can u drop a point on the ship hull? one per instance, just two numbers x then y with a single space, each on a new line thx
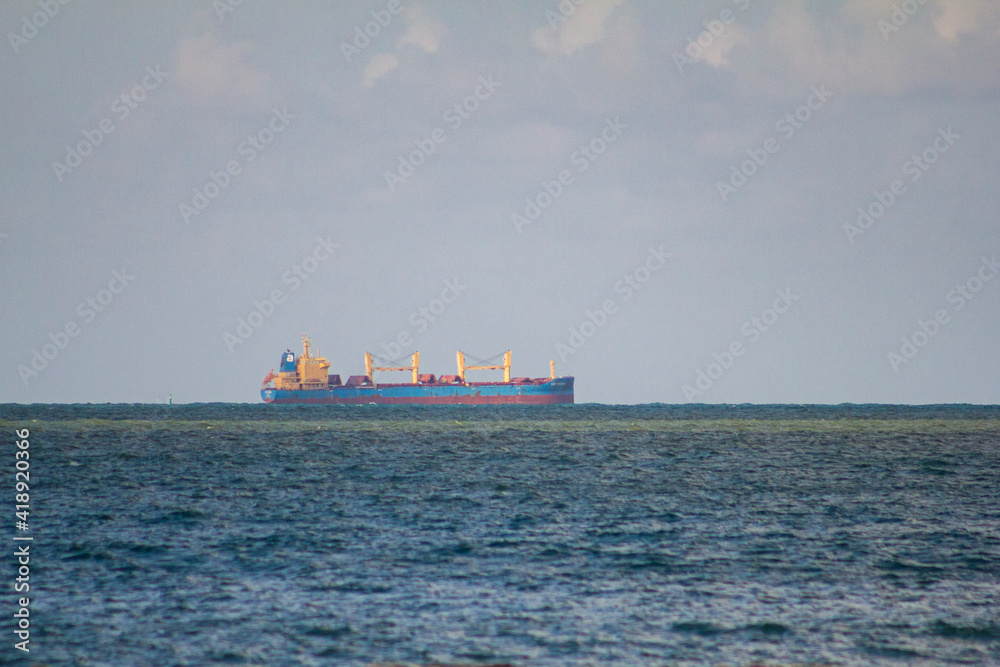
557 391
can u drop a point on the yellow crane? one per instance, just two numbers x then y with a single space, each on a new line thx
414 367
462 367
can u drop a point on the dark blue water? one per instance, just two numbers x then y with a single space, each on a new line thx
252 534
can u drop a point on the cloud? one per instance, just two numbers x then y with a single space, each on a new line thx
213 73
960 17
716 53
799 44
423 30
579 29
380 65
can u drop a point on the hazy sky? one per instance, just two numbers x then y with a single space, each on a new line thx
721 202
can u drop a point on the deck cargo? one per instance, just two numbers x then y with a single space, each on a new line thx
306 378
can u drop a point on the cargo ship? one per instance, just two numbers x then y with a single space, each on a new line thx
306 379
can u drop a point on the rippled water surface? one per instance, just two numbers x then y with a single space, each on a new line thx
647 535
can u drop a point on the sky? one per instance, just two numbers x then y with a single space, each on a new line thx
737 201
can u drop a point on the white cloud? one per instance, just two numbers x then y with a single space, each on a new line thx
380 65
213 73
958 17
798 45
716 53
423 30
582 28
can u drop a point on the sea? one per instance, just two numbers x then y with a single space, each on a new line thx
242 534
